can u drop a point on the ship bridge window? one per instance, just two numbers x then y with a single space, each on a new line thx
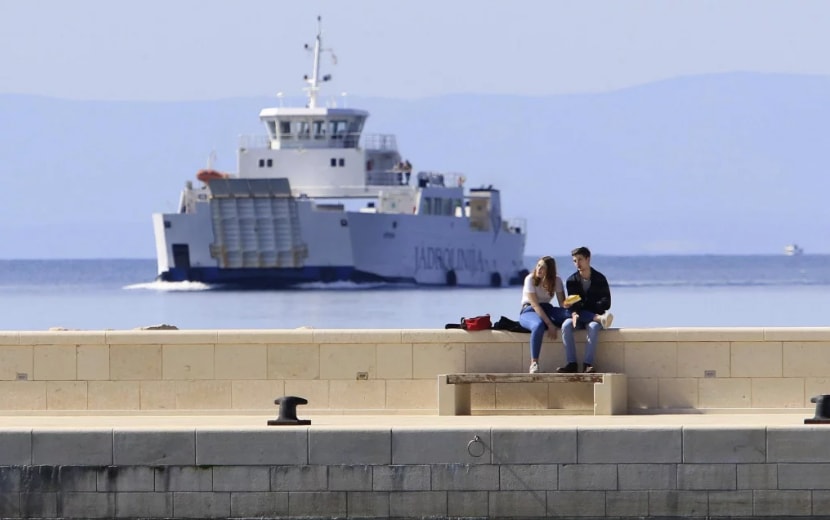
285 129
319 129
448 207
439 206
356 126
426 206
337 129
301 129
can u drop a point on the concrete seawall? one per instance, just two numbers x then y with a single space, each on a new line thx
122 424
663 466
394 371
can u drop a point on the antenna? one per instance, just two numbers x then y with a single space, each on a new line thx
313 81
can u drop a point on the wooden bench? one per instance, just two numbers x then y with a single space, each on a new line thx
610 390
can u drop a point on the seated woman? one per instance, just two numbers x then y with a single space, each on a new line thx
537 314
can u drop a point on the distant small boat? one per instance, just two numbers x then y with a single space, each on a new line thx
793 250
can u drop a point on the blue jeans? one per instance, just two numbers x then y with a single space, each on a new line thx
585 321
533 322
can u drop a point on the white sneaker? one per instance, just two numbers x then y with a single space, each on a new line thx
534 367
606 319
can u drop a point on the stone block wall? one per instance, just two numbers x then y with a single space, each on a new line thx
600 472
395 371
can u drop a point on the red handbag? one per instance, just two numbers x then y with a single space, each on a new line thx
476 323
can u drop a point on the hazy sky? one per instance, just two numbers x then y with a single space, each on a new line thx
205 49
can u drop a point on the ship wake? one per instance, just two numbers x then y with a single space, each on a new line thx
170 286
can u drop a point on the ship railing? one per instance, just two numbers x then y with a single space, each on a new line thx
384 178
439 179
254 142
517 225
386 142
288 140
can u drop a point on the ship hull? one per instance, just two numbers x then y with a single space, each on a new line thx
435 250
345 246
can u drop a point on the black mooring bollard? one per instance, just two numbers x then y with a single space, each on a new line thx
288 411
822 410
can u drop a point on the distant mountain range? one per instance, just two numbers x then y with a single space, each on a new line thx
722 164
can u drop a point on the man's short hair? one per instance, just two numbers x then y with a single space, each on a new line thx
581 251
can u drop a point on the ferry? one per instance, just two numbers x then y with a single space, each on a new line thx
314 200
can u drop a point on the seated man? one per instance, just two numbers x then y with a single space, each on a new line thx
589 311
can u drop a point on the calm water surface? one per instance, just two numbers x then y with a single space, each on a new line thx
660 291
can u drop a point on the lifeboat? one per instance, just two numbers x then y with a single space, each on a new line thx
209 175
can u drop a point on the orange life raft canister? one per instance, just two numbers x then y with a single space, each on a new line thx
209 175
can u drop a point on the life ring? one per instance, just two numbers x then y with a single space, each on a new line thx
495 280
452 279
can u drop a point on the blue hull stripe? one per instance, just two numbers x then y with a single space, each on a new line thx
263 278
259 277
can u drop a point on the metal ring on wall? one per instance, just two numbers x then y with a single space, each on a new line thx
476 440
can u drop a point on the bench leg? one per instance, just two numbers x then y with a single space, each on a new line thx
453 399
611 396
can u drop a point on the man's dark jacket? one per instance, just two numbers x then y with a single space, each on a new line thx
598 298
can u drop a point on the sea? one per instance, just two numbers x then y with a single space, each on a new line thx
647 291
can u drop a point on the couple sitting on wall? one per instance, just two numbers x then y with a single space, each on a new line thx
586 307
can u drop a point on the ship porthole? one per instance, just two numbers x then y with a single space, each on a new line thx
344 222
495 280
395 224
452 279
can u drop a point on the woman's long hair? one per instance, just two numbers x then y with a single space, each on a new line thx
548 283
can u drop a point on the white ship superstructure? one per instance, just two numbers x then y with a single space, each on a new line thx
283 218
